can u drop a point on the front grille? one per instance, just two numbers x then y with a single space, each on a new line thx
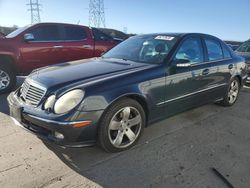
32 93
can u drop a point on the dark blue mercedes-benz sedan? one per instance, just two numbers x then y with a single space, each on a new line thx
111 99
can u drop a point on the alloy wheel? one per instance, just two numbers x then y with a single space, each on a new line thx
4 80
125 127
233 92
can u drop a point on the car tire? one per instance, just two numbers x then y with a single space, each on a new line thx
121 125
7 79
232 93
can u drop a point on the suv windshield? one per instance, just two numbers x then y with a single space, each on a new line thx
17 32
145 49
245 47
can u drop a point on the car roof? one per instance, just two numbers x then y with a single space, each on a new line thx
56 23
179 34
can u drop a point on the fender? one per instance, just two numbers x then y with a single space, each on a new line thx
240 71
9 60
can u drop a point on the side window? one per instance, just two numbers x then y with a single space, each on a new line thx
226 52
214 50
74 33
191 49
100 36
46 33
248 49
245 47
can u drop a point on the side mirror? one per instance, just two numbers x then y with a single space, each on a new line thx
182 63
28 37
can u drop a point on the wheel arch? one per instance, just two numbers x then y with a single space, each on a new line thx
8 60
239 78
134 96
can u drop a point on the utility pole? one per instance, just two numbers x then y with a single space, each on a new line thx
96 13
34 8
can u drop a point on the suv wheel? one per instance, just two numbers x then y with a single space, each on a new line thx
121 125
7 79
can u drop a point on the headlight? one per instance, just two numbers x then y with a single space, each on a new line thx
68 101
49 104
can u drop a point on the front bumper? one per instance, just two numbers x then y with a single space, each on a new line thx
46 127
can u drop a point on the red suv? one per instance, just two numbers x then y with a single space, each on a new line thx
45 44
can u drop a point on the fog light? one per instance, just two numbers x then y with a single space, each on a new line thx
58 135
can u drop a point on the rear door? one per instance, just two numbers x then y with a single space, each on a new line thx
77 43
221 65
44 49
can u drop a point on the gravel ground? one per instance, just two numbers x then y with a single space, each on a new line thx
177 152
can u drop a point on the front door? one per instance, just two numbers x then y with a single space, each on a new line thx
187 82
44 50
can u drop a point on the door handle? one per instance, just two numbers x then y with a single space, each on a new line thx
86 46
58 46
231 66
205 72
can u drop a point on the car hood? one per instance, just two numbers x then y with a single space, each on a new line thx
82 70
246 55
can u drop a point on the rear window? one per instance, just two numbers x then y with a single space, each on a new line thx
214 50
74 33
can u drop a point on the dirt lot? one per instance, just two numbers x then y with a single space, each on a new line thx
177 152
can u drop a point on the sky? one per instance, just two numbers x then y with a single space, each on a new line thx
226 19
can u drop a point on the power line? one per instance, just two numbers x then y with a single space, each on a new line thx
96 13
34 8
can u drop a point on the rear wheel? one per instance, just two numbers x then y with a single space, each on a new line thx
121 125
232 93
7 79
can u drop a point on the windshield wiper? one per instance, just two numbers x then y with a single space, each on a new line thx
118 60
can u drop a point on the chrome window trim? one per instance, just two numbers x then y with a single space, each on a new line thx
49 41
207 62
190 94
82 40
44 41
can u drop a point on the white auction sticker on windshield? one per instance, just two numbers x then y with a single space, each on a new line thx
162 37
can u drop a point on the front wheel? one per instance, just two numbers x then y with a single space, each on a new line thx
121 125
232 93
7 79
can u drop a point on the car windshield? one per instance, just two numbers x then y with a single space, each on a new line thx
145 49
245 47
17 32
